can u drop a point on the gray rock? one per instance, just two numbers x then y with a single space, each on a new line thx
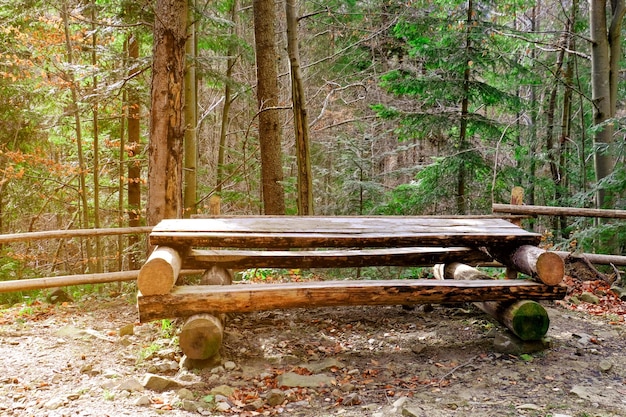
143 400
351 399
275 397
290 379
191 406
54 403
158 383
400 402
230 365
412 412
222 407
605 366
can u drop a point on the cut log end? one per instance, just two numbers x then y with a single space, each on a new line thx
156 277
201 336
550 268
160 272
527 319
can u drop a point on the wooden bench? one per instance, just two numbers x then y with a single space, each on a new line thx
337 242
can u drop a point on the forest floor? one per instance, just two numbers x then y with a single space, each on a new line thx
92 358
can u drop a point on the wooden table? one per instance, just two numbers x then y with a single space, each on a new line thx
337 242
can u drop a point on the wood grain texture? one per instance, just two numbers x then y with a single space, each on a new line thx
243 259
285 232
160 272
189 300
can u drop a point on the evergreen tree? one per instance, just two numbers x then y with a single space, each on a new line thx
453 87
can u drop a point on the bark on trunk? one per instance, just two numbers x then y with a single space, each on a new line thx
167 124
267 97
300 118
187 300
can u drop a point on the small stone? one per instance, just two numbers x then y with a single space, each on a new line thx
130 385
418 348
143 400
412 412
58 296
126 330
230 365
347 387
590 298
217 370
291 379
275 397
223 390
351 399
191 406
400 402
185 394
222 407
529 407
158 383
605 366
254 405
54 403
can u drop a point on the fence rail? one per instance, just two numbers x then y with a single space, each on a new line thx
558 211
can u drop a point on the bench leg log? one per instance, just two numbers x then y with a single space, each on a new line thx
160 272
543 266
202 334
527 319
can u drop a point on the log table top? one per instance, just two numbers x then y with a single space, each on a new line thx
282 232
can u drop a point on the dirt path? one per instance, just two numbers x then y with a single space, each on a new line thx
70 360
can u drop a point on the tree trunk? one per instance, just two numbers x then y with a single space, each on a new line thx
167 124
228 99
605 57
96 138
267 97
461 203
82 166
300 119
134 144
191 146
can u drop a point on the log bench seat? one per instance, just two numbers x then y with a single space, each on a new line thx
243 242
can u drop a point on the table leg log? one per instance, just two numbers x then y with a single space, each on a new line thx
527 319
202 334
